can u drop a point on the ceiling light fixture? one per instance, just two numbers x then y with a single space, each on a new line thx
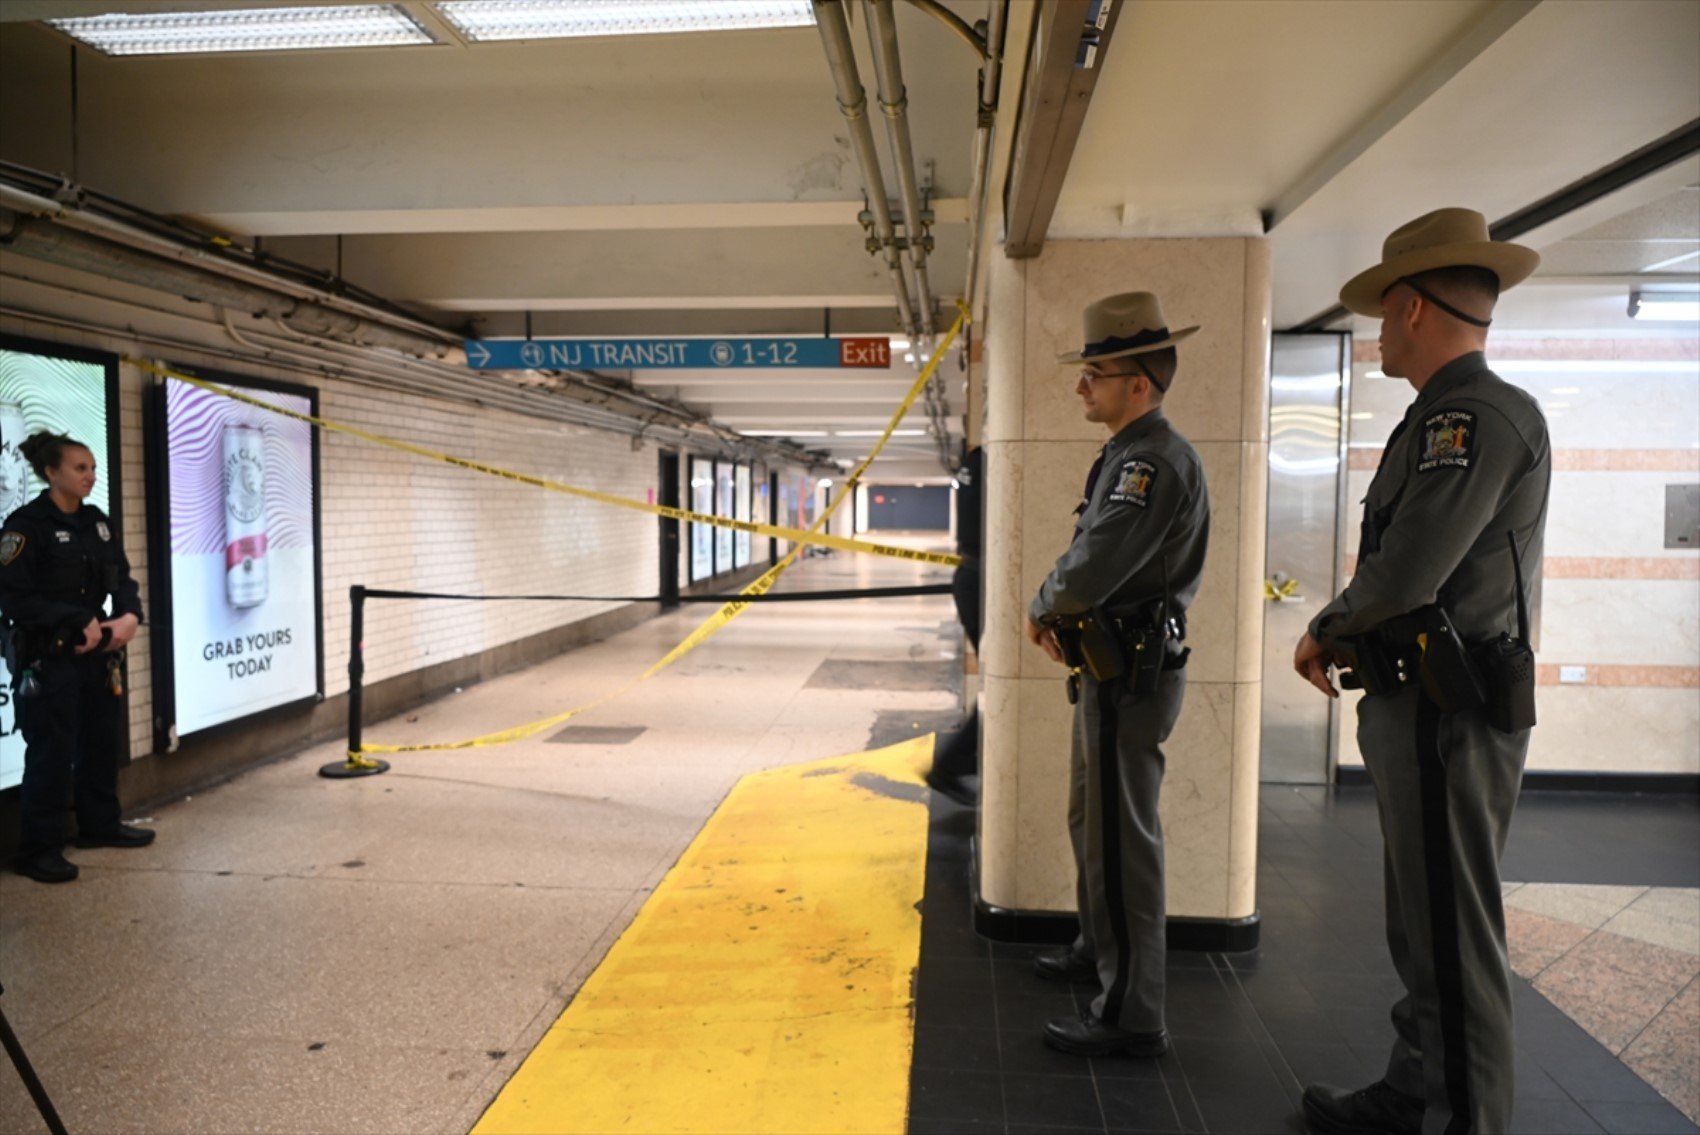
483 21
878 433
1671 307
783 433
248 29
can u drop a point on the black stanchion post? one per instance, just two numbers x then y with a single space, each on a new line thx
357 763
32 1083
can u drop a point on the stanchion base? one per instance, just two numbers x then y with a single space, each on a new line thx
354 766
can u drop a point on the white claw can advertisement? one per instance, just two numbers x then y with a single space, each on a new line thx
244 565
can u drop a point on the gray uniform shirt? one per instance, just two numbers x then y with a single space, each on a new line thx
1470 462
1148 512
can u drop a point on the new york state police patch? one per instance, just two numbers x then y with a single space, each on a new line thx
1448 441
1133 483
11 547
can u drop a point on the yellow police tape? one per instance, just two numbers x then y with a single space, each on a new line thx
711 626
755 528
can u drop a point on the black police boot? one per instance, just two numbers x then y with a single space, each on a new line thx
1086 1035
955 788
46 867
1064 965
121 836
1376 1110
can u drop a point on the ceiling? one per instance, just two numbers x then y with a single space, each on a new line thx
704 184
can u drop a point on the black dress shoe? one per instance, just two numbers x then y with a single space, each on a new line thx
1086 1035
1064 965
46 867
121 836
1375 1110
955 788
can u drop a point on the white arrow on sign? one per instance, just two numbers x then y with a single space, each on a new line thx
477 353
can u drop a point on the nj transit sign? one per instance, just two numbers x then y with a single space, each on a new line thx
676 354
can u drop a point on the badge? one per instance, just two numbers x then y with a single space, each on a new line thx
61 535
1133 483
101 528
1449 440
11 547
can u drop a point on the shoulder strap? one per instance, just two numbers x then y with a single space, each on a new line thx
1522 604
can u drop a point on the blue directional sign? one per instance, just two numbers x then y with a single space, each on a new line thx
675 354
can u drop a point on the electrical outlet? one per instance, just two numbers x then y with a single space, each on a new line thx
1572 675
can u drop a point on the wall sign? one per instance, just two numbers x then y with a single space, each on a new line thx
238 490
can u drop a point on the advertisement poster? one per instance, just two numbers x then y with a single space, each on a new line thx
723 507
702 535
244 558
790 516
741 494
67 393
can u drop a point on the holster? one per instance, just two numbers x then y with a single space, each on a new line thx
1448 673
1422 646
1109 646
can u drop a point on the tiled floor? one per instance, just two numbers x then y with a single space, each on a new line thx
1624 963
304 955
1311 1003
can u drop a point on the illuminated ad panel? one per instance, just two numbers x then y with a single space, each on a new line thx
241 489
702 503
66 391
741 540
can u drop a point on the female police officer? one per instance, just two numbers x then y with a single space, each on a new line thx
59 561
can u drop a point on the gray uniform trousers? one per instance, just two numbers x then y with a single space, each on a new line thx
1114 780
1446 785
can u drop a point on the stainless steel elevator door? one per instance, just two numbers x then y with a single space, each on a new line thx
1307 397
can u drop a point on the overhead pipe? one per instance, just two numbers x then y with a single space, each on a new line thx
834 27
894 101
418 336
48 240
955 23
997 12
41 239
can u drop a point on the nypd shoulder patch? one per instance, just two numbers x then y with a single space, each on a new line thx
1134 482
1448 441
11 547
102 530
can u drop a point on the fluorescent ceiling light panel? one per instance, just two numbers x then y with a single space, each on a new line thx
483 21
250 29
783 433
878 433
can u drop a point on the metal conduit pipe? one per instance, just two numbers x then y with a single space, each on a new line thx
423 338
834 28
894 101
48 240
991 74
43 239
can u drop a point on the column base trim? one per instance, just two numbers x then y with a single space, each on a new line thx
1657 783
1057 927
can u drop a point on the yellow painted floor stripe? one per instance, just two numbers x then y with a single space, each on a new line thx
766 986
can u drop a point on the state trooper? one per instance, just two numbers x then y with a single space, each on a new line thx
1114 610
1434 628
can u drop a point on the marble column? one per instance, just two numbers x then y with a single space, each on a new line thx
1038 449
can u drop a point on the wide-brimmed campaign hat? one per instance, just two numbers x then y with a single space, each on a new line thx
1131 323
1445 238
